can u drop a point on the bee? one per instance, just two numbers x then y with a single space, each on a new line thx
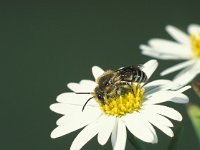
115 82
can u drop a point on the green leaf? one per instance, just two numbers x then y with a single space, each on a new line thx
135 141
194 114
173 145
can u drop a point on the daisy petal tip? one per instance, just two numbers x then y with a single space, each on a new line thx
171 135
180 118
101 142
51 107
142 46
53 135
145 48
94 68
163 73
168 27
70 85
149 67
185 88
97 71
150 63
188 87
155 141
152 141
192 28
154 61
60 97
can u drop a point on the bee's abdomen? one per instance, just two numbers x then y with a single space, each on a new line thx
132 74
139 76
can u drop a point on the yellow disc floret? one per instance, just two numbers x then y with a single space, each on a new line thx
195 44
122 104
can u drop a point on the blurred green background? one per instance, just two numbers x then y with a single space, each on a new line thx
46 44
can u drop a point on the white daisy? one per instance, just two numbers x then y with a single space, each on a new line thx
186 48
138 111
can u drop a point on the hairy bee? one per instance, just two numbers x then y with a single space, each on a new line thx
112 83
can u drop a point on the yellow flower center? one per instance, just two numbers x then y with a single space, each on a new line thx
195 44
127 103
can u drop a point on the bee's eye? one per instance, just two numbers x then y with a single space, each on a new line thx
100 96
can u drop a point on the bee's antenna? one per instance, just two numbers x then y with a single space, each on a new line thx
83 93
87 102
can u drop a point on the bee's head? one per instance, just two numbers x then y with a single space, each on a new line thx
99 94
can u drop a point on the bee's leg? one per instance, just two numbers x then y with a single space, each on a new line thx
116 91
139 82
108 98
130 87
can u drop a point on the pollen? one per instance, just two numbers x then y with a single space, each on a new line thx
195 44
120 105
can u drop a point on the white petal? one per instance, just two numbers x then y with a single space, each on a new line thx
197 67
75 99
83 86
149 67
106 129
168 131
72 122
160 97
85 135
89 85
69 127
187 75
157 121
194 29
144 47
76 116
169 47
114 134
164 110
62 130
180 99
139 127
146 50
183 89
184 78
63 108
177 67
158 85
97 71
177 34
74 87
121 136
153 131
153 117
